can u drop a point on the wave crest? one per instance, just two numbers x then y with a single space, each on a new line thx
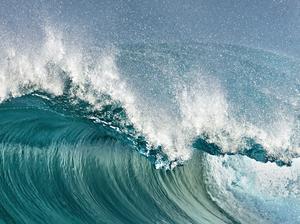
183 101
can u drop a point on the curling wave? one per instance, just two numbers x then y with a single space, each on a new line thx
72 119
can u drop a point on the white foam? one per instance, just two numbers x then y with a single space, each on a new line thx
254 192
200 105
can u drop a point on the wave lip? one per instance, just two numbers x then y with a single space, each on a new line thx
193 91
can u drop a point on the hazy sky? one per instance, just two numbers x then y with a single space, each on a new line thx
274 25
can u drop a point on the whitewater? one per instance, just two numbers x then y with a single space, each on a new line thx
185 132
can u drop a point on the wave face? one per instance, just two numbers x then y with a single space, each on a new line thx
161 133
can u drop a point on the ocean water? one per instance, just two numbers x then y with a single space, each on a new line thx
183 132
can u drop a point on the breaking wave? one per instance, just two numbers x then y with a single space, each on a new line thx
213 119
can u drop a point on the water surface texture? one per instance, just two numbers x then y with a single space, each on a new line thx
99 128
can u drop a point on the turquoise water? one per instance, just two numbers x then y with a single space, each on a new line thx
161 133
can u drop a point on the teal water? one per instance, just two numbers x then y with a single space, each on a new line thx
162 133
